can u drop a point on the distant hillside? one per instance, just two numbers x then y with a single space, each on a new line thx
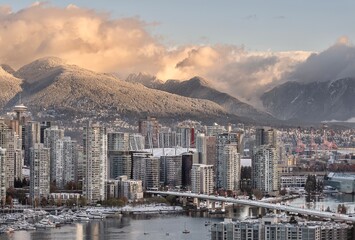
50 83
200 88
9 86
316 101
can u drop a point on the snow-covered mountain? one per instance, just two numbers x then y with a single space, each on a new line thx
200 88
50 83
10 86
316 101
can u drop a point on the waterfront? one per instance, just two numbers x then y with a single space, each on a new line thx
161 226
128 228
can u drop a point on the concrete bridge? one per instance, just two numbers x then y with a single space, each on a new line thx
261 204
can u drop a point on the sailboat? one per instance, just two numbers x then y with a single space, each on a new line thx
185 230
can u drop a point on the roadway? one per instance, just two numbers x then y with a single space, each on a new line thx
285 208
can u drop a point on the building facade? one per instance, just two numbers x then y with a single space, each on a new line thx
95 162
202 179
39 173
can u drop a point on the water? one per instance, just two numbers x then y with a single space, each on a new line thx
157 227
331 201
127 228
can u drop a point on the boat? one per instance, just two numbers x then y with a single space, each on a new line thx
82 217
45 223
207 223
186 231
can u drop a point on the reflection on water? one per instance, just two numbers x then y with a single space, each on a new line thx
165 226
159 227
322 203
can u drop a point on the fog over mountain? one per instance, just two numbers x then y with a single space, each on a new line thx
319 89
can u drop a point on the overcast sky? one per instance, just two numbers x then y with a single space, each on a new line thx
275 25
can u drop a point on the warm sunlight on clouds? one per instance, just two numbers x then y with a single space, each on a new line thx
98 42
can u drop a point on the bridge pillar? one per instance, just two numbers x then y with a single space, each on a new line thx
213 206
184 201
208 204
197 203
260 211
250 211
223 204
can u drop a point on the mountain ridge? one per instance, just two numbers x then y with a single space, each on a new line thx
315 101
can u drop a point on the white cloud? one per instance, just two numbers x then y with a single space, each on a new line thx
96 41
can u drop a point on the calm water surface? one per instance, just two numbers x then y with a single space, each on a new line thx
162 226
156 228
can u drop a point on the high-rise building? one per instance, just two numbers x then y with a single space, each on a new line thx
51 136
149 128
201 146
80 172
66 160
120 163
264 169
95 162
265 137
39 173
230 168
44 126
170 170
185 136
2 175
187 161
146 168
221 141
202 179
118 141
131 189
119 158
10 141
136 142
32 136
211 151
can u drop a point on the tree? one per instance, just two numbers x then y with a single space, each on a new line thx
171 199
71 202
44 202
283 192
25 183
82 201
258 194
319 186
71 186
311 183
342 209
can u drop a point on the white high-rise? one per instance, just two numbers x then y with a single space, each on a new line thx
202 178
51 136
264 169
39 173
230 167
2 175
95 162
221 141
66 160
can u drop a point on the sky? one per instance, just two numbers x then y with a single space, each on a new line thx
244 48
275 25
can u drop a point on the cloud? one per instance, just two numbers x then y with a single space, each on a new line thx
338 61
97 41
